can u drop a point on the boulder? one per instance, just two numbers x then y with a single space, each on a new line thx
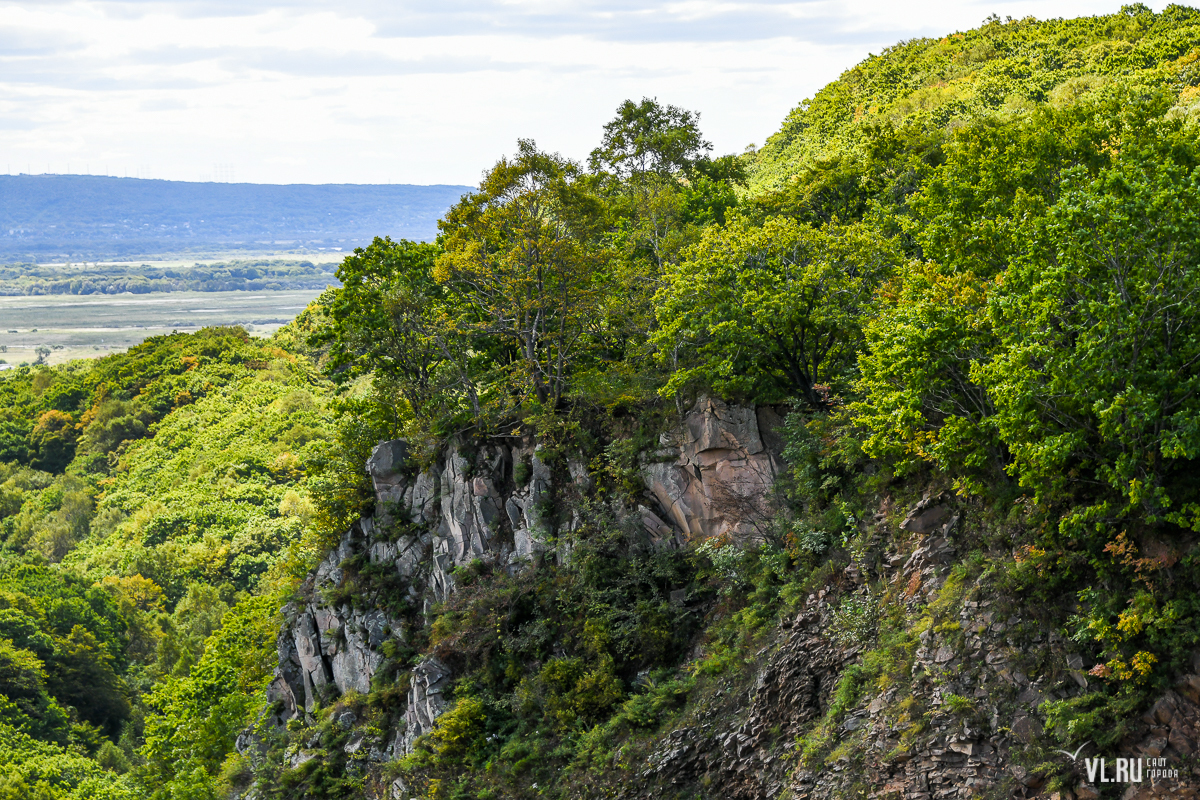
930 514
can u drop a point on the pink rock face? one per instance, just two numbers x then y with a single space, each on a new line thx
721 475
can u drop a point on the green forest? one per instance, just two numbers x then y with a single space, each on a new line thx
970 263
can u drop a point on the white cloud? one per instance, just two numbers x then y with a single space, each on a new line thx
415 92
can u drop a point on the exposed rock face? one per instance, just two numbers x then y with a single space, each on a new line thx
470 510
467 506
713 476
745 761
493 504
325 645
386 468
928 515
425 702
1168 733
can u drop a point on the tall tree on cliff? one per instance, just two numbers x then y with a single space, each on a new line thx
524 254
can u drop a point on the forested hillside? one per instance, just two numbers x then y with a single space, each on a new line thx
863 465
152 503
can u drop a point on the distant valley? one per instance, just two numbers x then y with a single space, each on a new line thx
86 218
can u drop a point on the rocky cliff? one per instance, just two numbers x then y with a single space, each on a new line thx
714 474
492 504
952 704
469 506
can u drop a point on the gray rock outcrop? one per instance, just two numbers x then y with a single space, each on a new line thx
328 645
429 680
466 507
493 504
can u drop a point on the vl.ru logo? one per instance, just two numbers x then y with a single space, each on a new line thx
1123 770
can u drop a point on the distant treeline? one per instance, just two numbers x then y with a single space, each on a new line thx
33 279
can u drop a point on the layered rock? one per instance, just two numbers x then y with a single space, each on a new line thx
745 760
329 645
979 680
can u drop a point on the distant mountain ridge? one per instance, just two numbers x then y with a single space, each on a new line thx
46 217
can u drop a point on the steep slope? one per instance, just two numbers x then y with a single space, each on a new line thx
963 565
903 665
150 505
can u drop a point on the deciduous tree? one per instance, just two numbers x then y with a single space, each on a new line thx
524 256
1096 383
393 321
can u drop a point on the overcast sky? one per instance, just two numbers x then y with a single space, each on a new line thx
433 91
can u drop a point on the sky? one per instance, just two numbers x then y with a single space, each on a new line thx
424 92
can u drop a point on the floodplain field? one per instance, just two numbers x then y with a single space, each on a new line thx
89 326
